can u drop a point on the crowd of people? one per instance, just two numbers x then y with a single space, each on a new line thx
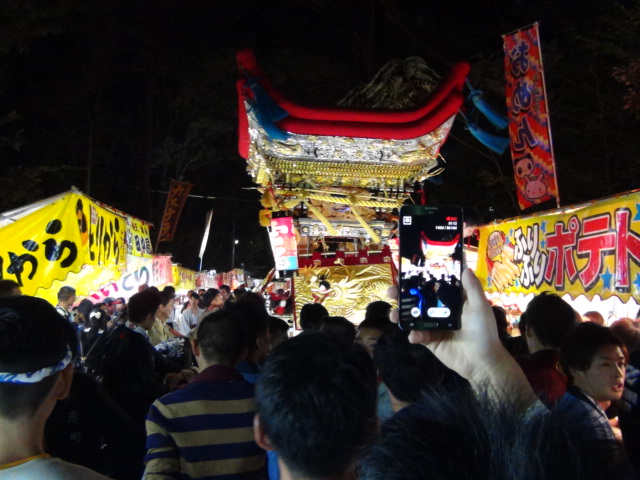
216 388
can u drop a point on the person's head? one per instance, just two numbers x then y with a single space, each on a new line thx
9 288
143 307
167 300
170 289
378 308
194 300
84 310
97 320
628 331
342 329
201 292
33 338
501 320
595 317
370 330
66 296
311 316
225 291
549 319
279 331
256 322
408 370
448 436
210 298
593 358
221 339
316 405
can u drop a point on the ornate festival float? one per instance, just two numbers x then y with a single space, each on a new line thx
332 180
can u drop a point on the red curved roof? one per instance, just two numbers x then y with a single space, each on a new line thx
443 102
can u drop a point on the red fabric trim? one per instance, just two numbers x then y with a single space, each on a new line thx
243 122
393 131
453 82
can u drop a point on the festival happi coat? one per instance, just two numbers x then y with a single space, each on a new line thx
338 173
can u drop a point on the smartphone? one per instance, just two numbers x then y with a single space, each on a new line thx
431 264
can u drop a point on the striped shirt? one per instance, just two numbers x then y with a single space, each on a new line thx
205 430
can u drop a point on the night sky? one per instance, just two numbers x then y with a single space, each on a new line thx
118 97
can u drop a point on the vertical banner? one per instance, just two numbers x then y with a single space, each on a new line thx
205 237
529 127
283 243
178 194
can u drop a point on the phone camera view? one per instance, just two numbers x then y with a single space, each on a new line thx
431 260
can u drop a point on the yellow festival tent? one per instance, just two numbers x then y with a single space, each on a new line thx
69 239
590 250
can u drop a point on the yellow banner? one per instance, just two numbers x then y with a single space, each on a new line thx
71 241
591 249
183 278
138 240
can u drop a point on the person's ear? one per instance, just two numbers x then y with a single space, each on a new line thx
63 383
195 346
259 434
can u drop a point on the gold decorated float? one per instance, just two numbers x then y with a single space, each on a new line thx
339 174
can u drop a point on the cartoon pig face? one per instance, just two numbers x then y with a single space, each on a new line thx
524 167
535 187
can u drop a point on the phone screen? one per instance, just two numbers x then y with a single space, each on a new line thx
431 263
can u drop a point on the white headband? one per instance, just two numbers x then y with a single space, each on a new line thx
34 377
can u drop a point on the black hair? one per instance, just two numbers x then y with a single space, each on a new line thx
222 337
85 307
311 315
408 370
207 298
550 318
582 344
376 322
225 287
501 320
169 289
379 307
66 293
340 328
142 304
166 296
255 319
7 287
277 325
33 335
317 403
628 331
449 436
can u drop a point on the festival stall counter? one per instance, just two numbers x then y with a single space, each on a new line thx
588 252
69 239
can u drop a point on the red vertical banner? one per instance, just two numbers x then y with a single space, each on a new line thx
178 194
529 127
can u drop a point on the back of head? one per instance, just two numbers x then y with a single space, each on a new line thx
33 336
317 403
628 331
222 337
169 289
595 317
255 319
550 318
9 288
311 315
142 304
448 436
582 344
66 293
341 328
379 307
408 370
